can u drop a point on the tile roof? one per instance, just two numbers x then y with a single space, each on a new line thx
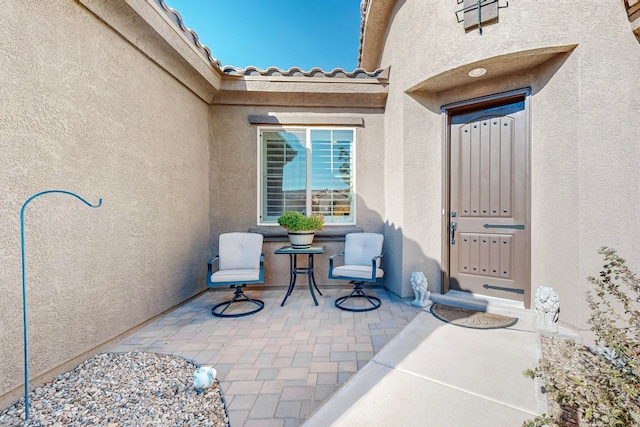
176 19
358 73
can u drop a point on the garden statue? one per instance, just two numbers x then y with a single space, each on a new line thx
547 309
419 286
203 378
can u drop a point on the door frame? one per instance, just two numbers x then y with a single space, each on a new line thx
452 109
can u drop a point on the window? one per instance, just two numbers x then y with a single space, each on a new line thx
309 170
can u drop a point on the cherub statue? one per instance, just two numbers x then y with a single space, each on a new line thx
419 286
203 378
547 309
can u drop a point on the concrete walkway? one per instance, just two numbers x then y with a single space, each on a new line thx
437 374
395 366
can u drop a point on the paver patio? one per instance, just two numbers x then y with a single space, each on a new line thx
277 366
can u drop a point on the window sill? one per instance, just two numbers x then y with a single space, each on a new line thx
327 234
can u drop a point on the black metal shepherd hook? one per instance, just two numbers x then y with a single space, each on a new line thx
24 288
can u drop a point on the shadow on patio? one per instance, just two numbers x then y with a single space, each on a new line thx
296 364
277 366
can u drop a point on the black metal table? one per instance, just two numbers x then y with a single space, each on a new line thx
294 270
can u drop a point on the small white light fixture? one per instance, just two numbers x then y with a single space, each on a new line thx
477 72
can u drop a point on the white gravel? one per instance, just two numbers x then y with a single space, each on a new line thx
123 389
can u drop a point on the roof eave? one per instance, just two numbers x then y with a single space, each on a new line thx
375 19
303 92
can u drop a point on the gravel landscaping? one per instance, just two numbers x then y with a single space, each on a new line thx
123 389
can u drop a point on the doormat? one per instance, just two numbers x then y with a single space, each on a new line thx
471 318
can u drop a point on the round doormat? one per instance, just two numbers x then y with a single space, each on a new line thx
471 318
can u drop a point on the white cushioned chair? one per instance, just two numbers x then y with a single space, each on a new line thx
240 262
362 255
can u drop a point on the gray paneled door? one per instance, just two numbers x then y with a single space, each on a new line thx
488 237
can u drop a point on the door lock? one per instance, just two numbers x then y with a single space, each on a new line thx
452 232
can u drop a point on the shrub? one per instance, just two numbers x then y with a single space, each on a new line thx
296 221
600 385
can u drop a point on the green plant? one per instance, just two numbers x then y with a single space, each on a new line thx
600 384
615 310
541 421
296 221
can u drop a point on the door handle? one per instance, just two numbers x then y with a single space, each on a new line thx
452 232
513 227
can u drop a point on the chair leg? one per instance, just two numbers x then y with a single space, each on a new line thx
357 292
239 296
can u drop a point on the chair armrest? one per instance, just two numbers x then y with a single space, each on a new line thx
331 258
374 266
232 283
261 268
210 269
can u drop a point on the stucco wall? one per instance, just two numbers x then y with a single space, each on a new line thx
234 180
584 147
82 110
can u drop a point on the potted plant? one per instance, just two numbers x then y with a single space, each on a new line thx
301 228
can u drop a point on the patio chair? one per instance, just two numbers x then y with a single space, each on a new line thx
362 255
241 262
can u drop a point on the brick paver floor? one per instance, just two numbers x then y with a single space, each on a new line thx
279 365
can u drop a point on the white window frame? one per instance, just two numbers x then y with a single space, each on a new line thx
307 130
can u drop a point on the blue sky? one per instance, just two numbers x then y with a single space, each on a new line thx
281 33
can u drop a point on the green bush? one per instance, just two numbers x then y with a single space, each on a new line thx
296 221
600 385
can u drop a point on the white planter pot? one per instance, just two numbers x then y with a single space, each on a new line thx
301 239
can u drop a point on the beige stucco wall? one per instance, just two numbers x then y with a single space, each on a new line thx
83 110
584 139
114 106
234 178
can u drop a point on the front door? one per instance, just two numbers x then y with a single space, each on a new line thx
488 233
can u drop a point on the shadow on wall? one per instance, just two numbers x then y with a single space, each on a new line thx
402 254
